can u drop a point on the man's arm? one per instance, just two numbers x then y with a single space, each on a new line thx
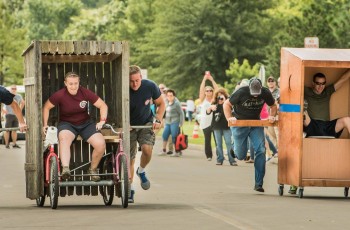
227 109
160 108
22 104
46 111
101 105
342 80
18 112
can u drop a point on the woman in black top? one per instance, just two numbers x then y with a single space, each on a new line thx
220 126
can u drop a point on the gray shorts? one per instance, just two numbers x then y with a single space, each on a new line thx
141 136
85 130
11 121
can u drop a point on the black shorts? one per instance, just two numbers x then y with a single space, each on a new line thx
11 121
322 128
85 130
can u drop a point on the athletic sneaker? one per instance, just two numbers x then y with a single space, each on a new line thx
96 177
7 146
293 189
145 184
131 197
169 152
16 146
209 158
234 163
176 154
65 173
162 153
259 188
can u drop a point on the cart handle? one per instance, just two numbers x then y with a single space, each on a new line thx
9 129
252 123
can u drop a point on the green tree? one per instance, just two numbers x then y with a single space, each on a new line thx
293 20
191 36
47 19
12 43
237 72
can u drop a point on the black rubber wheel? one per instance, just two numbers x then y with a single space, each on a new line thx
107 192
40 201
124 180
53 184
301 193
346 191
280 190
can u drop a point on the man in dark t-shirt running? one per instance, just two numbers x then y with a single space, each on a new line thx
141 93
247 103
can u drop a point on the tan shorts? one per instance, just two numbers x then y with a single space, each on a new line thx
141 136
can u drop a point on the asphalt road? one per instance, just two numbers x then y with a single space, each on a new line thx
186 193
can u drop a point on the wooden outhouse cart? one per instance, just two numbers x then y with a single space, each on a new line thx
312 161
103 67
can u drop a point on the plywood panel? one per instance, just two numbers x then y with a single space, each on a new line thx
326 159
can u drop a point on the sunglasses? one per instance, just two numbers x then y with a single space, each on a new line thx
320 83
209 90
14 88
271 81
221 98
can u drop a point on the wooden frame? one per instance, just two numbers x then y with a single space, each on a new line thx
103 67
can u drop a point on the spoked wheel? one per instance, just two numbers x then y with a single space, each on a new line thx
124 180
107 192
53 184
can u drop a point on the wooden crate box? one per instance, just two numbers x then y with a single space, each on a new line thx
103 67
312 161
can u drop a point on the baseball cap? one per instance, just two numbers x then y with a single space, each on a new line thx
255 87
271 78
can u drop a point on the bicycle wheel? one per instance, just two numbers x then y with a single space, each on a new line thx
53 184
124 180
107 192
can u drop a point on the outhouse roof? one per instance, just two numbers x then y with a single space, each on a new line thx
312 54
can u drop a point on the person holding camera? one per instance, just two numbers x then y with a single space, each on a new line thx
220 126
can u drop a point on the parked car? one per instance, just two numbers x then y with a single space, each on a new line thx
184 108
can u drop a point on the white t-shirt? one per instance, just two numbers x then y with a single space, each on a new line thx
190 105
205 119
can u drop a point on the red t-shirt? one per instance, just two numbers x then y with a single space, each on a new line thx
73 108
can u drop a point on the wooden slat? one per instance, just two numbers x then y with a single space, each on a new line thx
53 47
72 165
93 47
108 47
86 158
61 48
92 87
77 58
253 123
78 161
45 47
83 75
69 47
118 47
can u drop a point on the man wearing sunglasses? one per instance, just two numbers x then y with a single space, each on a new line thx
317 119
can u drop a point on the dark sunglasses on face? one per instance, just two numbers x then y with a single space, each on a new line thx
221 98
209 90
320 83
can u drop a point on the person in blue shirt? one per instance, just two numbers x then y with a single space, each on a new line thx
142 92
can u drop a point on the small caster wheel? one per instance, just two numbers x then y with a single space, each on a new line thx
301 193
346 192
280 189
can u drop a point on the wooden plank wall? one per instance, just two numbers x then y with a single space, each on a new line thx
101 65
